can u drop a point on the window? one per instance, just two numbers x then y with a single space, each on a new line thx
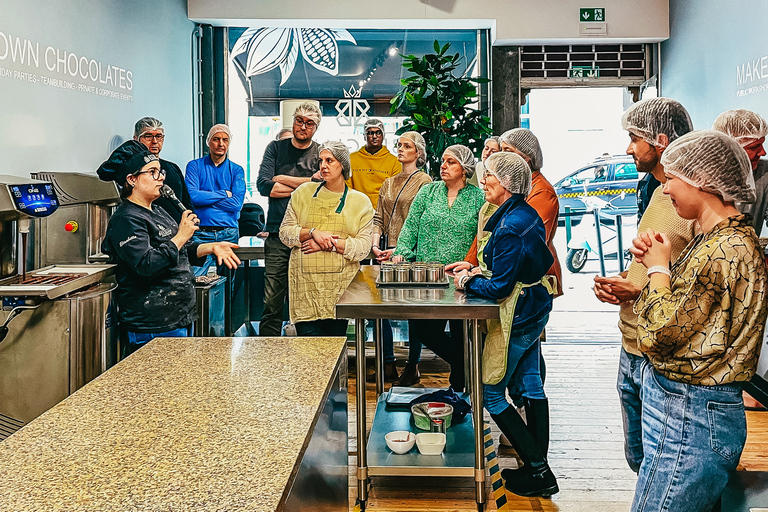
625 172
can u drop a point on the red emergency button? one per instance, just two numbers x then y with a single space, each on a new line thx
71 226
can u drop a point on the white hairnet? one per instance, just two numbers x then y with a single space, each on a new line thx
742 125
527 143
712 161
310 111
373 123
341 153
217 128
421 146
146 124
465 157
655 116
511 170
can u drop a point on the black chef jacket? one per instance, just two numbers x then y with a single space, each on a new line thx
156 288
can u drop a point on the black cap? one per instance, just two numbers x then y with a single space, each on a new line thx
127 159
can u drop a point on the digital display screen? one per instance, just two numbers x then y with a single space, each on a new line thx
35 200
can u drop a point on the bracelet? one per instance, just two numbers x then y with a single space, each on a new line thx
310 231
334 248
463 281
659 269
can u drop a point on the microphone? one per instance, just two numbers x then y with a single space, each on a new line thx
167 192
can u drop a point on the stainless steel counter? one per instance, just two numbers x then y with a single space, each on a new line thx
363 299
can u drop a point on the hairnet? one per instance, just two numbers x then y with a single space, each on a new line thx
341 153
217 128
656 116
308 110
713 162
373 123
127 159
741 124
465 157
494 138
421 146
525 142
511 170
146 124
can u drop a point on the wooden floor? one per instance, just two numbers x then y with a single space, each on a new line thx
586 449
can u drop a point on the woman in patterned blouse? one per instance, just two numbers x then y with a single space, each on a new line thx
700 324
440 226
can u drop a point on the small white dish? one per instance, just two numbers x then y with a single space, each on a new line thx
400 441
431 443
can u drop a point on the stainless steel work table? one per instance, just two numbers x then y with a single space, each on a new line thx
251 248
363 300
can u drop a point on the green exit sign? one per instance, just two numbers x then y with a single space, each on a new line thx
592 14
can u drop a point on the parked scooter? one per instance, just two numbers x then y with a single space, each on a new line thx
584 239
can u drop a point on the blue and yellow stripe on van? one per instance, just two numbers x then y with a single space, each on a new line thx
608 192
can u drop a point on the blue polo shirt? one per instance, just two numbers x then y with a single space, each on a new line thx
208 185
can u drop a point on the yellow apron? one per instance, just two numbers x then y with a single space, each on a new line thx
497 341
325 215
483 236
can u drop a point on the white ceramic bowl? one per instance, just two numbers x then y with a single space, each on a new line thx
400 441
431 443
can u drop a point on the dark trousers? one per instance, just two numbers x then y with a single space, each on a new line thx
450 348
276 257
323 327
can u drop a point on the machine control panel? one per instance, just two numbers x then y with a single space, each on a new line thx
34 199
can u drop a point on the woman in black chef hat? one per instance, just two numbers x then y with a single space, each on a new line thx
156 292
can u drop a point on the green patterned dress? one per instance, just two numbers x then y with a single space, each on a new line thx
435 231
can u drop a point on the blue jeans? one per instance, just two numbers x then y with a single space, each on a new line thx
630 386
204 237
693 437
523 356
136 340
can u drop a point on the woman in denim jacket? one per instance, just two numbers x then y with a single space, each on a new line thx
517 258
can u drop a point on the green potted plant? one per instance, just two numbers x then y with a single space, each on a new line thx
438 105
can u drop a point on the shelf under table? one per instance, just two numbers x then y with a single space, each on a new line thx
458 458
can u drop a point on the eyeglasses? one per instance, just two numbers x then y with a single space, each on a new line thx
309 124
149 136
372 133
155 173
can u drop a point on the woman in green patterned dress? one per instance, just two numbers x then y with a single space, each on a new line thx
441 225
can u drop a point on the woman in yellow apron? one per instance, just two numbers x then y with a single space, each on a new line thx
328 226
517 259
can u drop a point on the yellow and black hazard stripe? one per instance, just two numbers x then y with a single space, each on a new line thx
612 192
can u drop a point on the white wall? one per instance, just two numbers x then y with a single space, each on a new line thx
515 21
46 127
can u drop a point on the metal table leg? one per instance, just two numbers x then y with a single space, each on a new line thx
228 301
362 455
378 339
477 415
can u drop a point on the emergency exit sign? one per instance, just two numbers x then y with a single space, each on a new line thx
592 14
584 72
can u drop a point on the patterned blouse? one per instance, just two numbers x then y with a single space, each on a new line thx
391 215
435 231
706 329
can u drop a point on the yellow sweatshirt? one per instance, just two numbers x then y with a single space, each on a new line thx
369 171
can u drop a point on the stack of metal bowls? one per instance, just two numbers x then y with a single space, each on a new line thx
435 272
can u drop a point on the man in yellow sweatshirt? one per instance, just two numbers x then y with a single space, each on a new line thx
372 164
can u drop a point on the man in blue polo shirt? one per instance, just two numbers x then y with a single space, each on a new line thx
217 188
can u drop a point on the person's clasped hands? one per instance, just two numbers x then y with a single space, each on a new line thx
319 241
461 273
652 249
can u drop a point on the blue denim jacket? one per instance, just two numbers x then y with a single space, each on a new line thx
516 251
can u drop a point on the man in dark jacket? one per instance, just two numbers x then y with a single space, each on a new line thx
150 132
287 164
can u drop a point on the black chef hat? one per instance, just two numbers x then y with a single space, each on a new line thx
127 159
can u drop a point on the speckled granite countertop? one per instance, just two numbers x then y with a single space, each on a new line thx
182 424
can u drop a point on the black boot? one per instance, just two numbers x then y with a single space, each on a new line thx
537 414
538 479
410 375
